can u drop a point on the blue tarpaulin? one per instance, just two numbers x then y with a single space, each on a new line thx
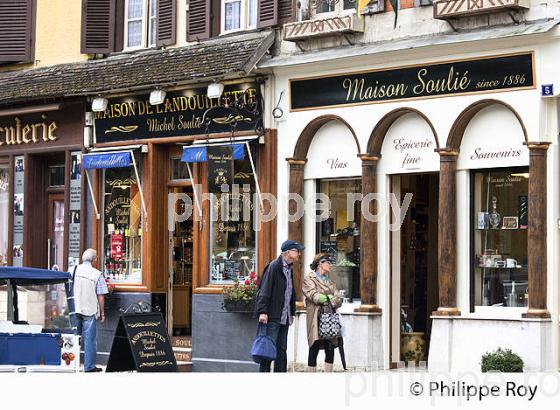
107 160
199 153
31 276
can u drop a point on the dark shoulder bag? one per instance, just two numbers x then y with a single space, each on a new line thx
329 322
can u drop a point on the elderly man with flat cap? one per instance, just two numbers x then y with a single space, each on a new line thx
276 302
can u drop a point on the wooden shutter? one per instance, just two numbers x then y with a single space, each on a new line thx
98 26
198 21
267 13
17 30
286 11
166 17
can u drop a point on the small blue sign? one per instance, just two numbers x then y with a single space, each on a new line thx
199 154
547 90
109 160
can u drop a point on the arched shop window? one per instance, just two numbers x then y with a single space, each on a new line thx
500 204
339 234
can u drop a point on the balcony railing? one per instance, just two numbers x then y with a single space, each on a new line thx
457 8
324 27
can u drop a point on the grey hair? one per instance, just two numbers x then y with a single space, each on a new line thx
89 255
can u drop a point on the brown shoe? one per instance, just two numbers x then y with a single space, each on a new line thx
94 370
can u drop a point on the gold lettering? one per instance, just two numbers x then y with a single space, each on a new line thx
168 105
18 130
24 133
419 89
45 134
34 136
352 86
52 128
10 136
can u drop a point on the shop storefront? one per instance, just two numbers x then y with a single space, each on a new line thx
42 195
451 160
171 233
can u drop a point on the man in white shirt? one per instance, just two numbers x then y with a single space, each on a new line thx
89 289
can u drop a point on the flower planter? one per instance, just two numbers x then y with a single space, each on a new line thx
413 347
239 306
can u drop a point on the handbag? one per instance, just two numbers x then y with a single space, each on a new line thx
263 349
329 322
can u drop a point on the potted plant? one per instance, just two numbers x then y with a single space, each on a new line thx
504 361
241 296
342 277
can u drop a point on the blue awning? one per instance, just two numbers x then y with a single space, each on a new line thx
199 153
31 276
107 160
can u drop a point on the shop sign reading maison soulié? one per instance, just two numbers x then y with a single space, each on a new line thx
181 114
497 73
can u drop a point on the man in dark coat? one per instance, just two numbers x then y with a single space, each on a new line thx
276 302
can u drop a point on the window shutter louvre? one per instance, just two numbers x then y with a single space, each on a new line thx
166 17
98 26
198 22
267 13
17 30
286 11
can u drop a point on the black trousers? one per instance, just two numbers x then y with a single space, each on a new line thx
278 333
314 351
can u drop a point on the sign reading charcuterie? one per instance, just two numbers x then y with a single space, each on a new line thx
180 114
509 72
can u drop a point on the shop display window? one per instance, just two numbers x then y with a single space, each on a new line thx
500 204
339 235
122 228
233 252
4 212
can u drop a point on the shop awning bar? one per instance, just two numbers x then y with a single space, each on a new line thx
112 159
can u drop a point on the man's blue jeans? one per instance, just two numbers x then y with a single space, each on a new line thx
86 326
279 334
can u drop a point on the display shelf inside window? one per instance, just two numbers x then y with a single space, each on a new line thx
233 238
500 237
122 239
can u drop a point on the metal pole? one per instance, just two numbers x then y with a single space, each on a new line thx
92 196
255 176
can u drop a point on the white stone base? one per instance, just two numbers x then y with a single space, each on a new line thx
458 343
363 342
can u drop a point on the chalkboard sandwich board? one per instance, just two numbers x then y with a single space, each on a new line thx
141 343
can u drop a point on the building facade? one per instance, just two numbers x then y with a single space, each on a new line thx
444 122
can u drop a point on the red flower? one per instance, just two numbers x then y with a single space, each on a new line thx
252 275
247 282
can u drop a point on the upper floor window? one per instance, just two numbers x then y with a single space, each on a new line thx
238 15
17 31
140 23
333 6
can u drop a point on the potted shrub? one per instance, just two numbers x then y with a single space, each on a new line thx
241 296
504 361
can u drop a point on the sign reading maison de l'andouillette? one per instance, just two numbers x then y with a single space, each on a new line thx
422 81
132 117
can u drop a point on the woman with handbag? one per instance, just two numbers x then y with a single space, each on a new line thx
320 293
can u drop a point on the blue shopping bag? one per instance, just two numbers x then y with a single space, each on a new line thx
263 348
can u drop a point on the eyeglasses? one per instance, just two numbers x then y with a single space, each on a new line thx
296 251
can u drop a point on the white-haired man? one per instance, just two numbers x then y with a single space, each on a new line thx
89 304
